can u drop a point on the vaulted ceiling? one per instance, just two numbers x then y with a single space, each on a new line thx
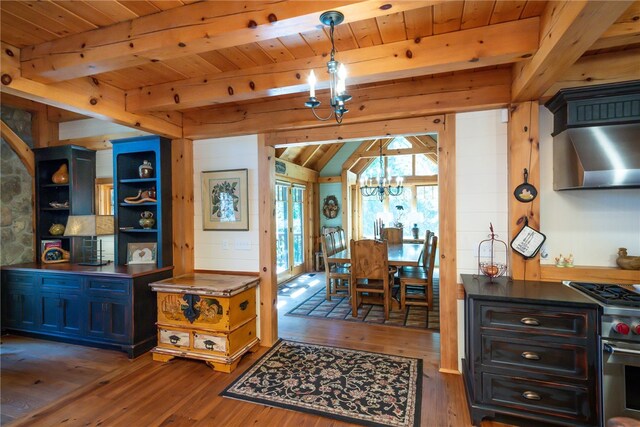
201 69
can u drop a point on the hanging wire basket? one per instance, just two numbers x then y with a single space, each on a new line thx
492 256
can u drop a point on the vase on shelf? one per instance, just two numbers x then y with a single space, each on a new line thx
145 170
61 176
56 229
146 220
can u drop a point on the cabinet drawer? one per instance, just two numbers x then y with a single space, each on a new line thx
568 402
567 360
59 283
225 344
18 279
173 338
206 312
548 321
112 287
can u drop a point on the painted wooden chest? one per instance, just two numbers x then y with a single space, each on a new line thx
211 317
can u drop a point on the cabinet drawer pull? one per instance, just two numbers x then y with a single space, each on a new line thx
530 355
530 321
243 305
531 395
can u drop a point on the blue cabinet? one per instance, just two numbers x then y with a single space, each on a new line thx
19 301
137 194
107 306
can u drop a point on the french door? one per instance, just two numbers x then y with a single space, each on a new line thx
289 230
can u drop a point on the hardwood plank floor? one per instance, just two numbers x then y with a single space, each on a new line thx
185 392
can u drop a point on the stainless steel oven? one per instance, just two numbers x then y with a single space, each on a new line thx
620 379
620 343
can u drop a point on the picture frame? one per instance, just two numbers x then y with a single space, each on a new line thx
225 200
142 253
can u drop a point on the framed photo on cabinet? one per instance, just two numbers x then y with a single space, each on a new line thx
225 200
142 253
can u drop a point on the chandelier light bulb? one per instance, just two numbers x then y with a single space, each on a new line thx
312 84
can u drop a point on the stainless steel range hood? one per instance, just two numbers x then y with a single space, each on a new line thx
596 138
597 157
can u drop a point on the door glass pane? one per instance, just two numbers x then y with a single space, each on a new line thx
282 228
298 226
427 204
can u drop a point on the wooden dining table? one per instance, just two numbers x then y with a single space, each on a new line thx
400 255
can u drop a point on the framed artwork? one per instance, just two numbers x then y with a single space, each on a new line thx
142 253
225 200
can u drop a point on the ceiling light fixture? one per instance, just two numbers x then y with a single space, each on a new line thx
337 76
383 185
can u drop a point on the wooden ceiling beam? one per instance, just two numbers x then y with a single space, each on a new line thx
98 142
307 154
463 92
86 96
331 151
474 48
357 154
22 150
592 70
624 32
395 152
187 30
567 30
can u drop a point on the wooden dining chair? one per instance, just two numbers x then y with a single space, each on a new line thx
336 276
370 273
393 235
416 286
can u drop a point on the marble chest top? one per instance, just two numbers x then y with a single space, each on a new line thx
220 285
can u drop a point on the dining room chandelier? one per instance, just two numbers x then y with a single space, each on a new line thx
337 76
383 185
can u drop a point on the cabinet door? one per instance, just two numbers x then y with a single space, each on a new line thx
18 308
109 318
60 313
70 314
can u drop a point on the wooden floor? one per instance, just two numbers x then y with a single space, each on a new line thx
185 392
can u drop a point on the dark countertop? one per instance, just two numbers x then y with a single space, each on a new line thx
530 291
110 270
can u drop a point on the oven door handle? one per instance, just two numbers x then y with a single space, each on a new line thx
613 349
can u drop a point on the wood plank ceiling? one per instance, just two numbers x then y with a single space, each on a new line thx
199 58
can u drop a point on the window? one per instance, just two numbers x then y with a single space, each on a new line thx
418 201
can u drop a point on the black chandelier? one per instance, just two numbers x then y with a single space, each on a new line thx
383 184
337 76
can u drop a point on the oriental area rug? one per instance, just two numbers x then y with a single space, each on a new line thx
316 306
360 387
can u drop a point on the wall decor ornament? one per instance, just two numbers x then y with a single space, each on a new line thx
225 200
330 207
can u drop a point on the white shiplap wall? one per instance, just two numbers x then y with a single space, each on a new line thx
590 224
227 250
481 183
481 191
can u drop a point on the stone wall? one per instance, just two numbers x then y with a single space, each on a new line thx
16 210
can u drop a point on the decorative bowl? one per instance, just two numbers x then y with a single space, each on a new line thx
627 262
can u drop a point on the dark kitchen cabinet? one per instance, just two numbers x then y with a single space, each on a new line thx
531 353
110 306
78 192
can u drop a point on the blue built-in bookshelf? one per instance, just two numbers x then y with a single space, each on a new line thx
131 237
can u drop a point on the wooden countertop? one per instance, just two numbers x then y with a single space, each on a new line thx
108 270
221 285
531 291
